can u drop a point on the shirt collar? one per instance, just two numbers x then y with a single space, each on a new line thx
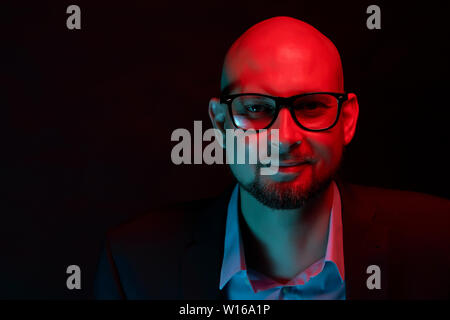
234 259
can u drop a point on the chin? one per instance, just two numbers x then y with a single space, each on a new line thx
301 188
281 195
284 194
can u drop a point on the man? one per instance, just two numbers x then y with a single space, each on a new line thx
297 234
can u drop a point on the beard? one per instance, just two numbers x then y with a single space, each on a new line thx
288 195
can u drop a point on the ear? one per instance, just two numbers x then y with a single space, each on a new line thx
350 112
217 114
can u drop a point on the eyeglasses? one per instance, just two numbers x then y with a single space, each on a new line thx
317 111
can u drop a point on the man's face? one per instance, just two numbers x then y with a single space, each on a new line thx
293 64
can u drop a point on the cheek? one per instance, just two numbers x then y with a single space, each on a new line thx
244 173
327 150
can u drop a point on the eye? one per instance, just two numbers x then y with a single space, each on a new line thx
310 106
256 108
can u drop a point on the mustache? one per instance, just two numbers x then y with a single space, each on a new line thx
291 155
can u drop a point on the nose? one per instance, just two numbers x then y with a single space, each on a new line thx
290 134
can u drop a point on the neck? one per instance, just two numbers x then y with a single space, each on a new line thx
282 243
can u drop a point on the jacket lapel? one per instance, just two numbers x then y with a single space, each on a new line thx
365 243
202 259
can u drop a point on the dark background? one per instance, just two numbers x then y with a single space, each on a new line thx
89 114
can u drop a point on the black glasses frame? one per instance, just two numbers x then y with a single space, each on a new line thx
282 102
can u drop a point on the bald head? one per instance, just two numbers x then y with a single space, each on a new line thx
282 56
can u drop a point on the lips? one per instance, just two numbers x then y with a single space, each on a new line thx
287 164
293 162
292 167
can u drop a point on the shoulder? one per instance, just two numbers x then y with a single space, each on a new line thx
398 203
138 252
166 225
413 218
172 225
408 234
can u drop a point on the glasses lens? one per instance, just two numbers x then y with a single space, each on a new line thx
253 112
316 111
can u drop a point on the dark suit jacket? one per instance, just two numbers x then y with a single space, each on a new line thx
177 253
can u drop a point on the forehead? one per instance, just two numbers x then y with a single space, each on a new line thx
282 62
